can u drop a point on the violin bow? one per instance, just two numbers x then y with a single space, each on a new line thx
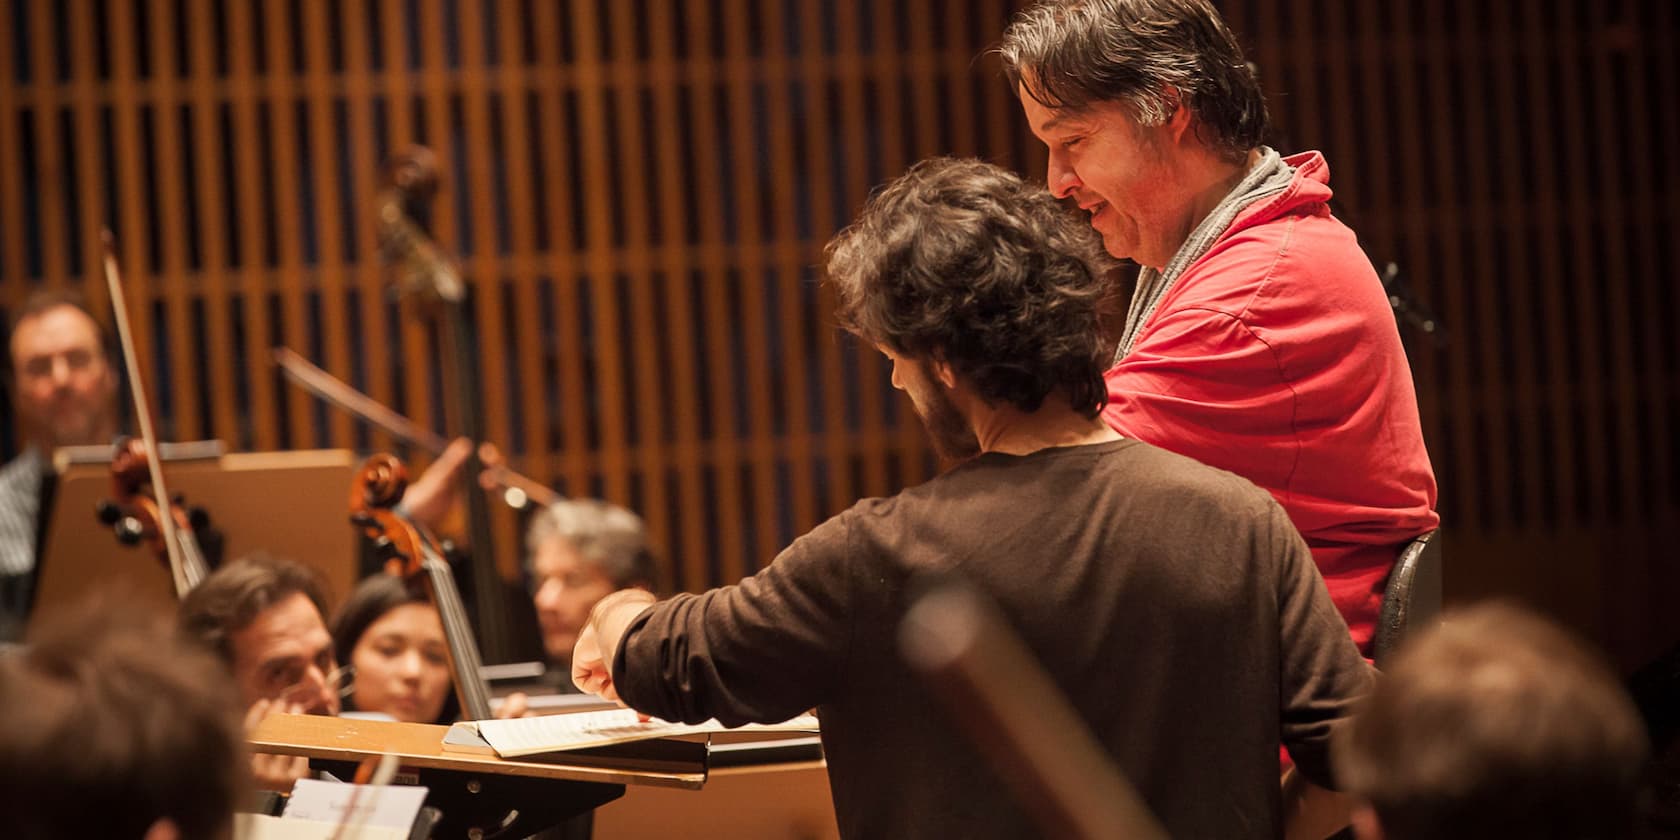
516 488
166 522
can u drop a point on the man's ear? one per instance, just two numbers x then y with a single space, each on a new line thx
1179 118
943 371
163 829
1365 825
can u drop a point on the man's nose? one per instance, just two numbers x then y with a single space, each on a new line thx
549 594
1060 176
61 372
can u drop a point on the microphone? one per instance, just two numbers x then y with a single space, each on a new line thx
1408 310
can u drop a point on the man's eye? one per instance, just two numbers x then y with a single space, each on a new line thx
1071 142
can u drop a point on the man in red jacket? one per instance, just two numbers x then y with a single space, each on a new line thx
1259 339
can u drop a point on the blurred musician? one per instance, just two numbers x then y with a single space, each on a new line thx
578 552
63 388
263 616
116 727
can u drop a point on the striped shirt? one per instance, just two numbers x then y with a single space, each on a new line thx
20 507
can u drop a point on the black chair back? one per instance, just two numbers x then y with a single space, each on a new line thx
1412 599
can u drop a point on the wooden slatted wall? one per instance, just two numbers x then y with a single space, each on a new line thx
638 193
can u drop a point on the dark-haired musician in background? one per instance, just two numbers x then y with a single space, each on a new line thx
264 617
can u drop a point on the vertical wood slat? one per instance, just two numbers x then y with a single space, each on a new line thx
567 341
788 265
1485 385
170 180
364 186
689 564
11 198
521 197
246 89
49 149
90 139
1516 270
819 159
713 264
318 84
750 281
484 268
642 343
854 69
402 96
288 216
213 204
1652 53
1592 395
1610 229
1555 311
131 247
594 81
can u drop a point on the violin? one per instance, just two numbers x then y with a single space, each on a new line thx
157 519
424 272
409 552
137 516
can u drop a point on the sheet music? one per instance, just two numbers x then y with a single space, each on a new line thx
581 730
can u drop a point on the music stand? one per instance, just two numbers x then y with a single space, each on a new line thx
290 504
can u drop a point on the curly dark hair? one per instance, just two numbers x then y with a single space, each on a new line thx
962 261
1150 54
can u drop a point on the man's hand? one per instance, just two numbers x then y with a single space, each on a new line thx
515 705
275 772
430 497
598 642
590 672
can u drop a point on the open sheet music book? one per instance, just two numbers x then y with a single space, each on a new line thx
584 730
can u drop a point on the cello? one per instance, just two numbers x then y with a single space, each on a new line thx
425 273
412 554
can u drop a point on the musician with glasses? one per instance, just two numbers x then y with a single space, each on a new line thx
62 383
264 617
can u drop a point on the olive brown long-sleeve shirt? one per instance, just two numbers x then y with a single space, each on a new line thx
1173 603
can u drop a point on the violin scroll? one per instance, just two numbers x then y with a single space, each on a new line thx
374 493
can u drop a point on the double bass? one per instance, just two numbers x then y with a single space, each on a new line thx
425 273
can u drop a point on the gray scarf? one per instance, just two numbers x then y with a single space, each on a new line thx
1269 177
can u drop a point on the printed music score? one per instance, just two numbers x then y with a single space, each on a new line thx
583 730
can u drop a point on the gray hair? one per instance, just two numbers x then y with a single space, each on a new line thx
1151 55
612 538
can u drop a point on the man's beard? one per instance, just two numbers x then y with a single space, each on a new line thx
953 438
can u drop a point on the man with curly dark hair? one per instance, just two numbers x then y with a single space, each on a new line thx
1259 339
1173 603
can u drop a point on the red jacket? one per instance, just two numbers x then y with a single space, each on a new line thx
1275 356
